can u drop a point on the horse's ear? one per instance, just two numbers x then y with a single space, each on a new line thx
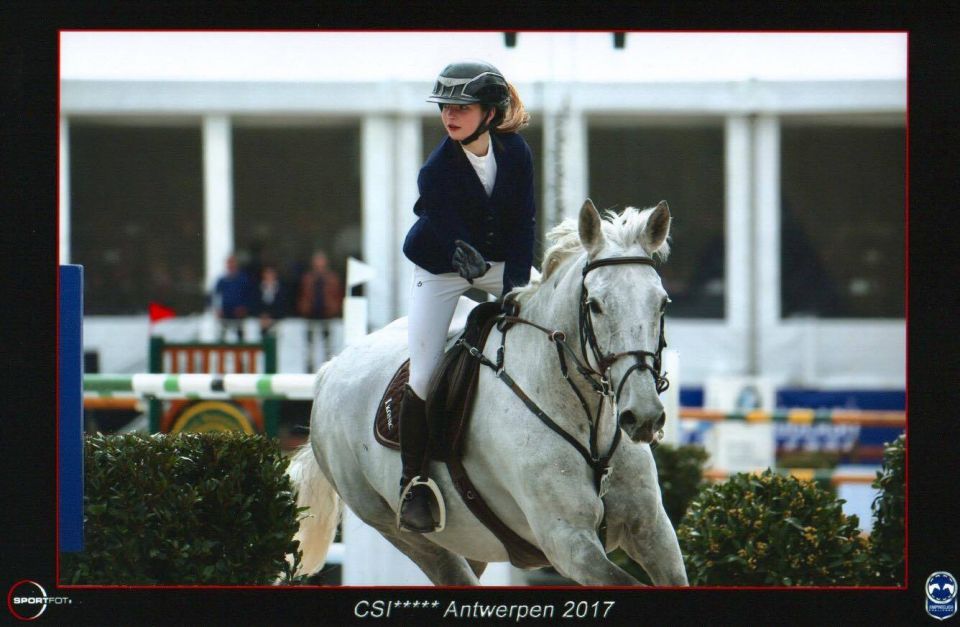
657 228
591 233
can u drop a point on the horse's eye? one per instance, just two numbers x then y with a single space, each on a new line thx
595 306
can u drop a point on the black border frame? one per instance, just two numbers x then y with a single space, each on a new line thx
28 195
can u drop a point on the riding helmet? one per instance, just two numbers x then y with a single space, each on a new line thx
468 82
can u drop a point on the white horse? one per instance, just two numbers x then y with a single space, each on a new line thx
538 483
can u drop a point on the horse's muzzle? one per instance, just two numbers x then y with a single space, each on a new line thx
649 431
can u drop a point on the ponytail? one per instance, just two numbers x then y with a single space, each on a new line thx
515 117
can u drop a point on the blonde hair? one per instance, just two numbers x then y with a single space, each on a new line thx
516 117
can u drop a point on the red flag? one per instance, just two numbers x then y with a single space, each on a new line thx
160 312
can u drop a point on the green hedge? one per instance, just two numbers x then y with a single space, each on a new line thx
212 508
771 529
680 474
889 507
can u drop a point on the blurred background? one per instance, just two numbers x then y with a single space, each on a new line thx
782 155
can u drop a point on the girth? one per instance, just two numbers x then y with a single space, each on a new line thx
522 554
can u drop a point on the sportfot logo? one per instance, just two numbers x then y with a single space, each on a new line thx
27 600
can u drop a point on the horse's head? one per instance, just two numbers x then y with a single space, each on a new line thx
621 310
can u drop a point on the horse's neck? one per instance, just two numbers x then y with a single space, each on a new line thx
556 309
554 305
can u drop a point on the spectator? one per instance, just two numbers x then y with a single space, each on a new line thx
233 299
274 301
321 298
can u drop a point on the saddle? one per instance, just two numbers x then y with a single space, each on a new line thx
448 392
449 401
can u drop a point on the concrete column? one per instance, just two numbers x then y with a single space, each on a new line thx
574 188
766 176
391 148
740 289
565 158
552 209
64 191
217 196
377 185
408 151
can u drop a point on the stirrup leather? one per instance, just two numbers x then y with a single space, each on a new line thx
438 498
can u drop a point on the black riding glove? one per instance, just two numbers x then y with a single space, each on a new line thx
468 262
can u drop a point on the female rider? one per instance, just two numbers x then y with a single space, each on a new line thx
475 229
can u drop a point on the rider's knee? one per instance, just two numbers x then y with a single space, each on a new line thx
419 385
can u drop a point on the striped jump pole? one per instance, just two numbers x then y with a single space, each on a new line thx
300 387
200 386
865 418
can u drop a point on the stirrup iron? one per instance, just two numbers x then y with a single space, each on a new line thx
437 497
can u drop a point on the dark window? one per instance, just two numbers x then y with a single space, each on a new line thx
639 165
842 217
296 190
136 216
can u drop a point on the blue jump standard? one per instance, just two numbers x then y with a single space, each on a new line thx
70 418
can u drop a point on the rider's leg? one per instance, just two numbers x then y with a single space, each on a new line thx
415 512
433 299
492 281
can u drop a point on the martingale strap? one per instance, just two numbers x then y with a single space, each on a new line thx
599 381
523 554
600 465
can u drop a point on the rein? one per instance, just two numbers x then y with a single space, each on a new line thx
599 381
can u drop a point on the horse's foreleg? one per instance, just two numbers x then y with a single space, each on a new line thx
477 567
441 567
577 554
658 552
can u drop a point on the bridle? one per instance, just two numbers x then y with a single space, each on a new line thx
598 380
606 361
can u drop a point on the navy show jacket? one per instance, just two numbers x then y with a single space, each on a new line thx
453 205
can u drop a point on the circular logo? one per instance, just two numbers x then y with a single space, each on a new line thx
27 600
941 587
213 416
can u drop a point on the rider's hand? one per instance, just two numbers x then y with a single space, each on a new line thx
468 262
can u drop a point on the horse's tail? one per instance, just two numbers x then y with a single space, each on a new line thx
318 525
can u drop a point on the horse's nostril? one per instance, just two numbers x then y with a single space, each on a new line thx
628 418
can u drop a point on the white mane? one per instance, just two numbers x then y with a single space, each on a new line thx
621 230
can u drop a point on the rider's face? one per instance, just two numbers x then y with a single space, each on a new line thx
461 120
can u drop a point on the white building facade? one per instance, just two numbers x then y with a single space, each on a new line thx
786 124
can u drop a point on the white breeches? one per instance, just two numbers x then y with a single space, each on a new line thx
433 299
